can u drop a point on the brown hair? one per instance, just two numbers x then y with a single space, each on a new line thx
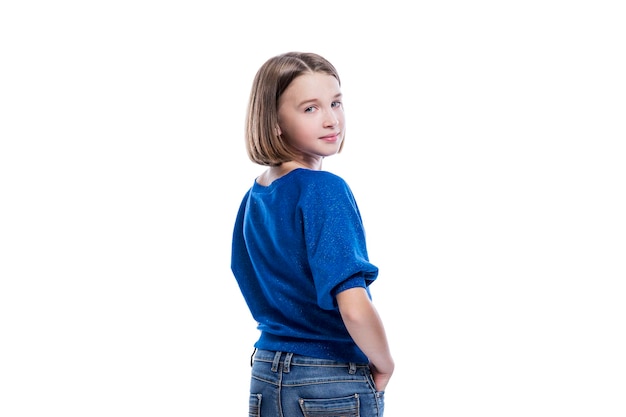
263 144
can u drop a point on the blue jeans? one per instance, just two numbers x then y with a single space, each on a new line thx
290 385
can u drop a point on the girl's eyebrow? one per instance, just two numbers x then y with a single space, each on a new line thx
313 100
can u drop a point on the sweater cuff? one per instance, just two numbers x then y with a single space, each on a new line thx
352 282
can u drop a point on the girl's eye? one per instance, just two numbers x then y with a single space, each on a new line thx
336 104
309 109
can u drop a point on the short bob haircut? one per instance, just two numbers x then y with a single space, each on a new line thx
263 144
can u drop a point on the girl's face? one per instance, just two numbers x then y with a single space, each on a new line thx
311 117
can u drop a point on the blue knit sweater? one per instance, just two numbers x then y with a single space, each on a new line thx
296 244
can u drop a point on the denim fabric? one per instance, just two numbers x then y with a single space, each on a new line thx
290 385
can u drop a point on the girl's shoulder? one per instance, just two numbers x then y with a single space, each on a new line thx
322 186
321 178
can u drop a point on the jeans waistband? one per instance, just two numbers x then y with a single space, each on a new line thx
289 359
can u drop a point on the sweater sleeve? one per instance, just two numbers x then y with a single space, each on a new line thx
240 259
335 239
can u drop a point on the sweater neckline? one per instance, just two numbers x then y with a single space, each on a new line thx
267 188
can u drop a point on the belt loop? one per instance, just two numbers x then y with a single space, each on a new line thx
252 357
287 362
276 361
352 370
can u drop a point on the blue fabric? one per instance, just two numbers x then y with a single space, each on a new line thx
296 244
286 384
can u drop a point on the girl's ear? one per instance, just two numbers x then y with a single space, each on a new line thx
278 131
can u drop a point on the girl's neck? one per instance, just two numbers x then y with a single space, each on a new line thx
274 173
291 165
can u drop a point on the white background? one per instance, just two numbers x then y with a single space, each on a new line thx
485 148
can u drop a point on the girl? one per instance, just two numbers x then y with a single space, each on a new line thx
299 254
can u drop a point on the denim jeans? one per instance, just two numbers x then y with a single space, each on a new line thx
290 385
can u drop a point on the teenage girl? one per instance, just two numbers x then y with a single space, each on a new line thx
299 254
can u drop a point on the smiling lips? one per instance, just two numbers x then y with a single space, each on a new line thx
331 138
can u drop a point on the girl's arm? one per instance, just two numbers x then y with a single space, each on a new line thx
367 330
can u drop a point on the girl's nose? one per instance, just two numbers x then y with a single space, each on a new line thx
331 119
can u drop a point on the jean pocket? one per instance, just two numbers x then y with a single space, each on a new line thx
380 401
330 407
254 405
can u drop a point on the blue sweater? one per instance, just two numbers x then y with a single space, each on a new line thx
296 244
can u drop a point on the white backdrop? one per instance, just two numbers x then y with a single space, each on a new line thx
485 148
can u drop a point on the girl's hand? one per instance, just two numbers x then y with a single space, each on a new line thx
381 379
